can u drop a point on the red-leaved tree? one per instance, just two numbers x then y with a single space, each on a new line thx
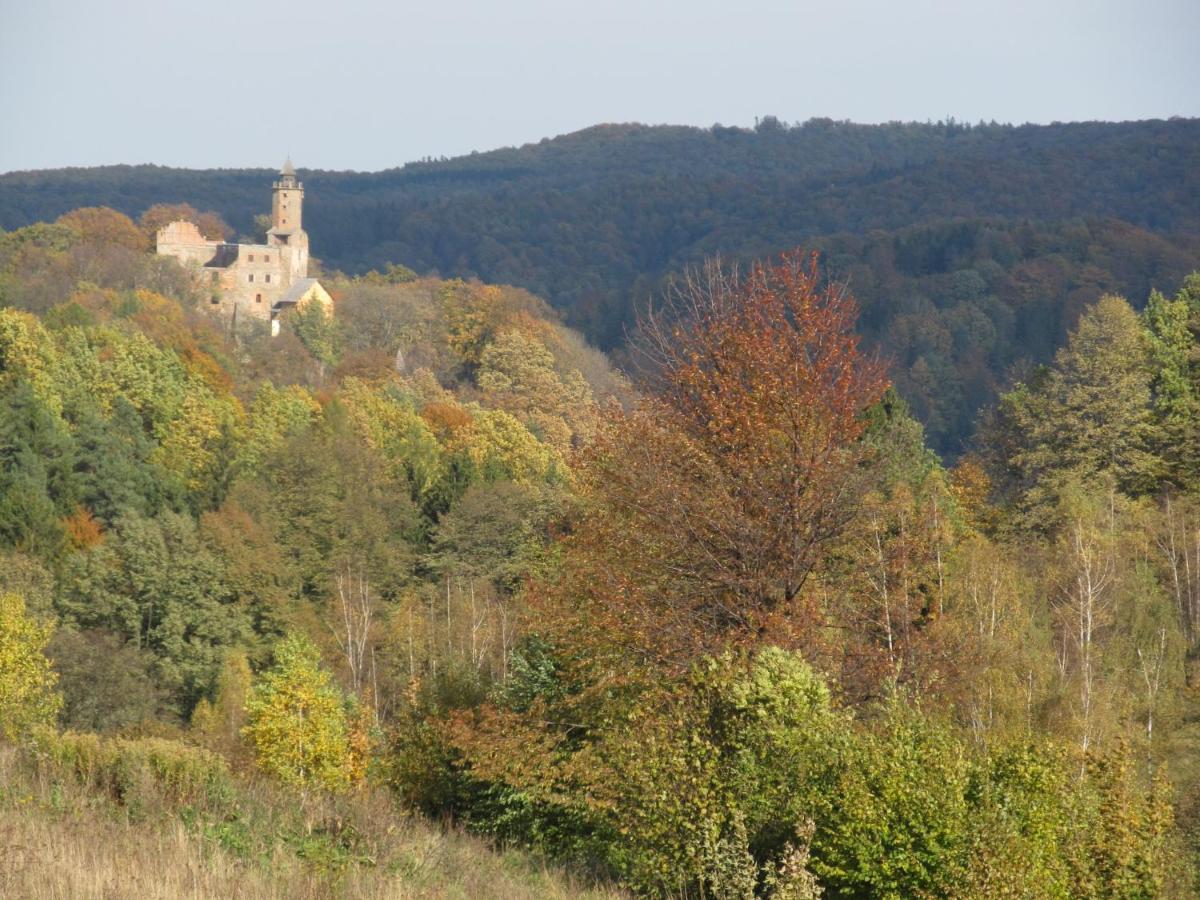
708 505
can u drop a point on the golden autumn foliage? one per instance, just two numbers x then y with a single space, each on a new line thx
472 313
446 419
970 487
298 724
389 425
26 352
517 373
101 225
499 443
190 446
275 415
28 696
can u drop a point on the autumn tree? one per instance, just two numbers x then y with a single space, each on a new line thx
101 225
274 416
211 225
218 724
517 373
298 722
708 506
28 694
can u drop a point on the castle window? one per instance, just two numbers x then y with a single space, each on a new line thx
216 276
251 257
258 298
268 278
266 257
251 276
216 301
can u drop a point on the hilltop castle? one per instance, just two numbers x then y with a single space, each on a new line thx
255 281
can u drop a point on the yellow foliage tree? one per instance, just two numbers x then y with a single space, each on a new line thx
391 426
191 443
472 313
501 447
298 722
218 725
27 351
101 225
518 373
28 695
275 414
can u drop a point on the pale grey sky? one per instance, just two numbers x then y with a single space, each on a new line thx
367 84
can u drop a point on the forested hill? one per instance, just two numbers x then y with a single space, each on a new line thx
266 601
970 247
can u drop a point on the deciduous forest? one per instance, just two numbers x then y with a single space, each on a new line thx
971 248
873 571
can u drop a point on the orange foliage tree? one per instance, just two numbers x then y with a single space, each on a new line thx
211 225
707 508
101 225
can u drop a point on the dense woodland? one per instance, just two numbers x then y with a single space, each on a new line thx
727 628
972 249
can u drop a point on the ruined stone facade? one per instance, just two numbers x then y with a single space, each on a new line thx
253 281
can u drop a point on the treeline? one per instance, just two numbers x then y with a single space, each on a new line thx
739 633
962 308
595 221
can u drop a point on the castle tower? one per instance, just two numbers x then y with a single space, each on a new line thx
247 282
287 205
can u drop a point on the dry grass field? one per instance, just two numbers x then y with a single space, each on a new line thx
66 841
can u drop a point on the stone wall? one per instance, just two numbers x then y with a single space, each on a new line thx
258 276
248 277
184 241
247 280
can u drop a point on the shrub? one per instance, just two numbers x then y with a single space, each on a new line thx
140 774
891 812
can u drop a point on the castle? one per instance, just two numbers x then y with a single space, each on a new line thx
254 281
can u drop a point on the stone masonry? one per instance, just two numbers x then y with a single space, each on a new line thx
253 281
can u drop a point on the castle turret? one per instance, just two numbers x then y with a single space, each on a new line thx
287 233
288 202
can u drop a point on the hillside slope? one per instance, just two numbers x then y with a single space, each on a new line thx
596 220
